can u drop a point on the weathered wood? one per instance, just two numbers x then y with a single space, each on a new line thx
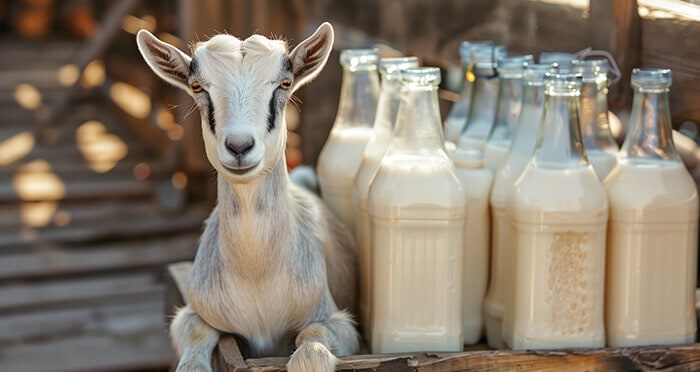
56 294
88 188
52 259
685 357
176 277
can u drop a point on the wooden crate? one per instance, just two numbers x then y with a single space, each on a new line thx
228 356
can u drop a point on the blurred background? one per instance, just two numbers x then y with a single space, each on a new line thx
103 177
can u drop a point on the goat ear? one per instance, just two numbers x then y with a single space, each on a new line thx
168 62
310 56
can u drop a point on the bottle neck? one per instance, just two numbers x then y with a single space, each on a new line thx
508 109
649 135
483 106
595 127
524 138
559 143
359 94
388 103
418 129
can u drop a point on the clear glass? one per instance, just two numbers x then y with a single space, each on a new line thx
482 113
653 230
389 98
460 110
558 211
519 154
601 147
417 209
342 153
508 109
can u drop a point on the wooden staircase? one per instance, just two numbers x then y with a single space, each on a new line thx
82 248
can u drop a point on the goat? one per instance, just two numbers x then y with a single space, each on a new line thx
273 265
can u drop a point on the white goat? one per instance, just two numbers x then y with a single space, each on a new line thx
273 265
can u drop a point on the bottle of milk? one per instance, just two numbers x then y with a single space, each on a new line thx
341 155
508 108
601 148
558 211
417 209
477 181
460 110
521 149
652 242
482 112
389 98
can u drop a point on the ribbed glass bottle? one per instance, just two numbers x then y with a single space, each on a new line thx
558 210
653 232
342 153
389 98
417 209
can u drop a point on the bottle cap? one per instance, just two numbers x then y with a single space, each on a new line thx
466 47
516 64
652 79
535 72
393 65
359 57
421 76
591 69
560 58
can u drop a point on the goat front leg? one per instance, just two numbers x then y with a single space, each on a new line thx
320 342
194 340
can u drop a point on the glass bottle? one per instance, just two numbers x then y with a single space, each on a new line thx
482 112
417 209
519 154
601 148
508 108
389 98
558 211
460 110
342 153
652 242
477 180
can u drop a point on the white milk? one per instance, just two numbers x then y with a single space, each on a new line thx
495 154
337 164
477 182
602 162
559 220
418 211
652 254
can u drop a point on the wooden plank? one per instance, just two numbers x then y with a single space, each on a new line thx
685 357
88 188
177 275
113 337
111 228
47 260
61 293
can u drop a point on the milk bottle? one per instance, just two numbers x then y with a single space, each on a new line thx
601 148
508 108
342 153
388 105
457 116
477 181
482 112
558 211
417 209
652 242
519 154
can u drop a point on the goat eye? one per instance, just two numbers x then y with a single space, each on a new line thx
285 84
196 87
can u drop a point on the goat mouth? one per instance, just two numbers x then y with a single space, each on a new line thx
239 171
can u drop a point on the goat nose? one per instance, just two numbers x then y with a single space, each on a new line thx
240 146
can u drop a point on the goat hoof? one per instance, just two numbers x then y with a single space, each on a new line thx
312 357
193 366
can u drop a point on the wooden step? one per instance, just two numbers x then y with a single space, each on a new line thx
121 225
53 259
89 290
110 337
